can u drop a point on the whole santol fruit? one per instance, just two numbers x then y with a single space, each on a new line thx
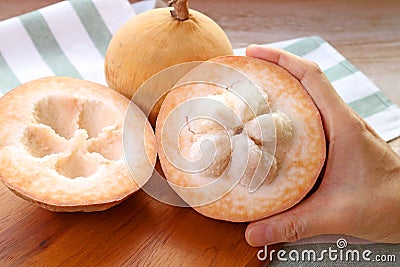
158 39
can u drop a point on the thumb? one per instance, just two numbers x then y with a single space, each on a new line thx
310 219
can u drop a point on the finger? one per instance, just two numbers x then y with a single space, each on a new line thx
311 77
308 219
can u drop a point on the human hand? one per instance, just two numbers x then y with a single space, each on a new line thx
359 194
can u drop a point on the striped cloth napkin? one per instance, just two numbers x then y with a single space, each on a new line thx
70 38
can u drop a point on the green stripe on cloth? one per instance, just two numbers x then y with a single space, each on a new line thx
47 45
305 45
94 24
371 104
341 70
7 78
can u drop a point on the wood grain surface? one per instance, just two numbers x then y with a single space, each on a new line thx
144 232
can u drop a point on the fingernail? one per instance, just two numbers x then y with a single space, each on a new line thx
260 235
253 46
254 51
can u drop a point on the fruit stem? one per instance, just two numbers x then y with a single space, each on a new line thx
181 9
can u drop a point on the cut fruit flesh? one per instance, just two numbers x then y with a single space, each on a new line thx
64 151
268 171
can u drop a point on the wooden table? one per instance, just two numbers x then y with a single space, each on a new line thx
142 231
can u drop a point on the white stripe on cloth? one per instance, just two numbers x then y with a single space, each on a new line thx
325 55
114 13
74 41
143 6
354 87
242 51
386 122
20 53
